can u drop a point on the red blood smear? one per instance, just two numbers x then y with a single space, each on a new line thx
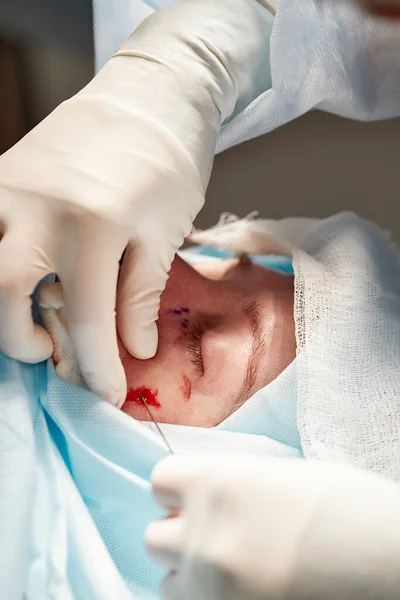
149 395
186 387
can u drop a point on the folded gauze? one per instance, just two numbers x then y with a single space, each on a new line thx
75 471
347 318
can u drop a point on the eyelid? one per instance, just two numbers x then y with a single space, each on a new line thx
195 333
253 312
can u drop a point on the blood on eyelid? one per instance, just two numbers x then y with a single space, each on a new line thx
186 387
135 395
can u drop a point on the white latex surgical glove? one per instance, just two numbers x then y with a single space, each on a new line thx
123 165
247 527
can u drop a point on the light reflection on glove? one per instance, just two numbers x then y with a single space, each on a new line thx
247 527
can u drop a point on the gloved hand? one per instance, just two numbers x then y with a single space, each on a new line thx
123 165
267 528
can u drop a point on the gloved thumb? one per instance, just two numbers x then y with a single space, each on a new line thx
142 279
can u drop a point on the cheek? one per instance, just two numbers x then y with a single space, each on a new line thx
167 391
157 385
143 395
141 380
165 402
186 387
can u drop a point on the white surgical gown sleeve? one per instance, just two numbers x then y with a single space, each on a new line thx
327 55
275 529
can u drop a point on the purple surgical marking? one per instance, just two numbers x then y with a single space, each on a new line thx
178 311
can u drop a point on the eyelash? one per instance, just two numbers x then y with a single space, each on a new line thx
194 347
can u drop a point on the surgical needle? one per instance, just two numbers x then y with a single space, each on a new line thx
143 399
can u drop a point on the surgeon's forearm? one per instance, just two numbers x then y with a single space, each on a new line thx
226 43
194 65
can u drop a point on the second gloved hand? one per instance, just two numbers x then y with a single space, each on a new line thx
253 528
123 165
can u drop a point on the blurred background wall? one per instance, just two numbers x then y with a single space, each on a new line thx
46 56
315 166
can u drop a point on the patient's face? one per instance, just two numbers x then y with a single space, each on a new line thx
225 330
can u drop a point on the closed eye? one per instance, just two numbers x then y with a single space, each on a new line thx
195 334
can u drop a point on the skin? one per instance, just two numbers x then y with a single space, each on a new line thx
222 291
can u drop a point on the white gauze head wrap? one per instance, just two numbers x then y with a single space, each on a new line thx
347 316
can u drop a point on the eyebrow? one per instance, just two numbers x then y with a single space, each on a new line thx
253 314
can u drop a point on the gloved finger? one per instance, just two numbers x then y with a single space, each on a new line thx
21 269
143 276
89 279
175 475
164 540
50 295
52 309
170 587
